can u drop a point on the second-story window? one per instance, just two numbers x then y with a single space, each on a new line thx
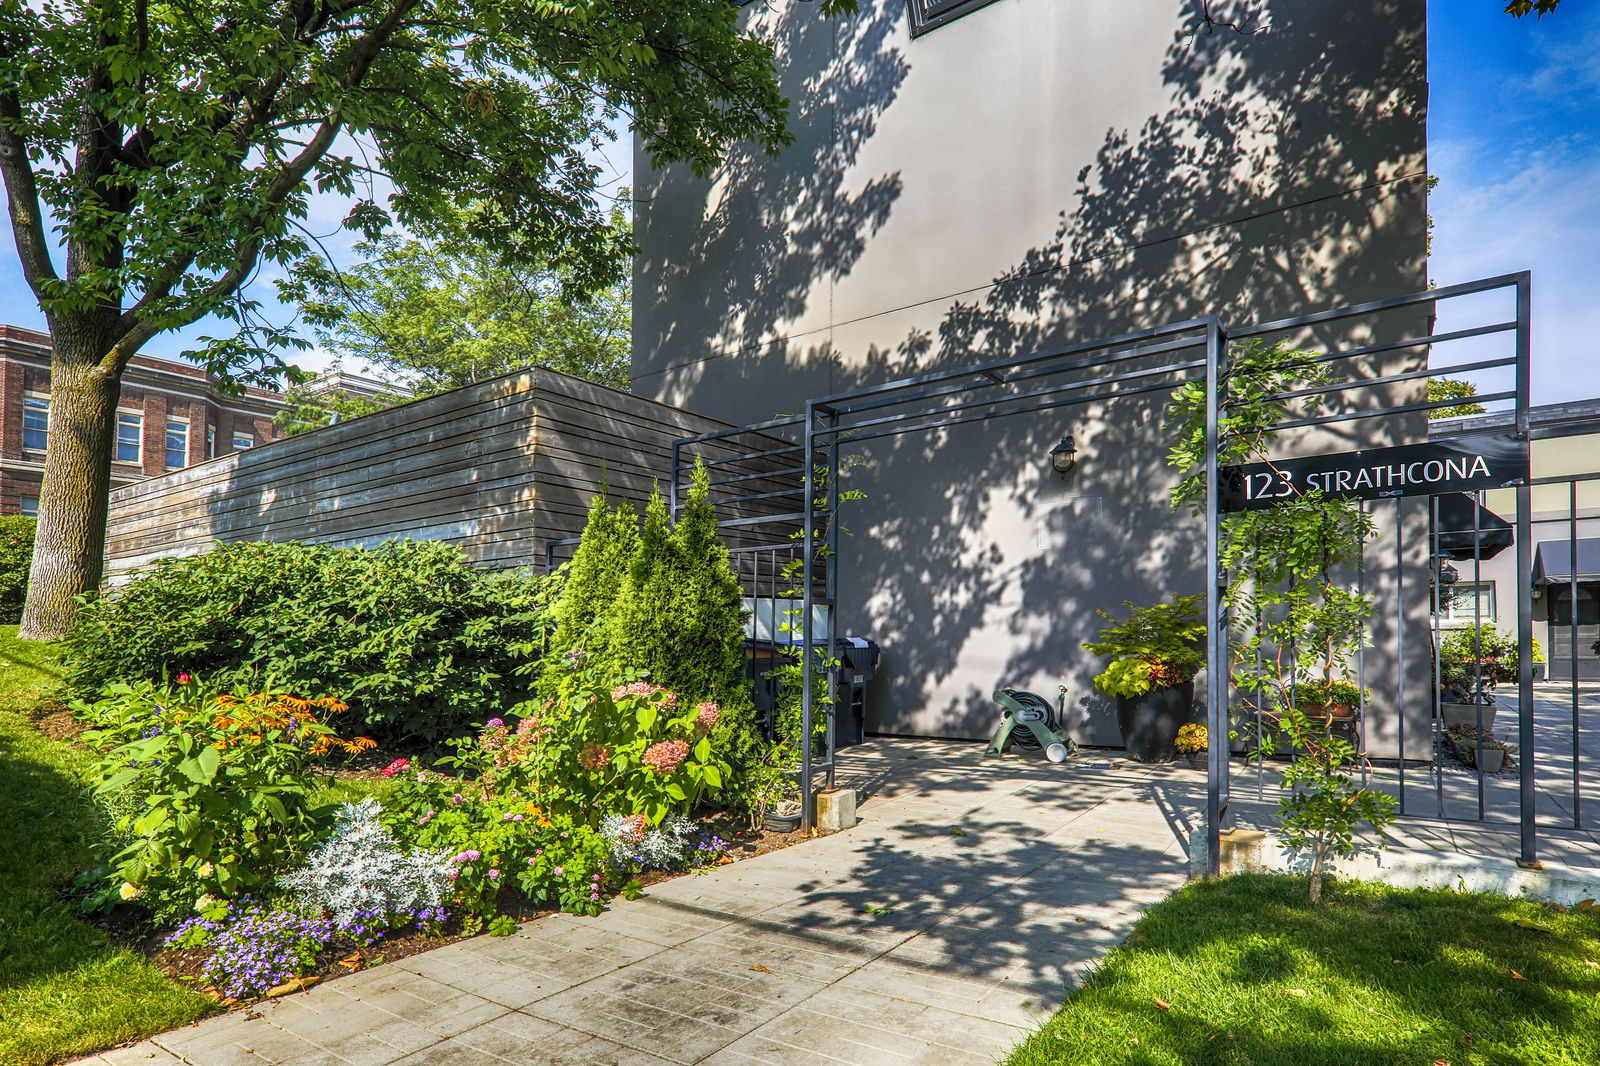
241 441
930 14
211 442
177 443
35 423
130 437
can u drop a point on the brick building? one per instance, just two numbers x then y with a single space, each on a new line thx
169 416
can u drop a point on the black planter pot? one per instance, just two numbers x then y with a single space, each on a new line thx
1150 723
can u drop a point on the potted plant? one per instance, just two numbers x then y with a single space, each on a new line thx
1192 741
1478 747
1154 653
771 784
1472 661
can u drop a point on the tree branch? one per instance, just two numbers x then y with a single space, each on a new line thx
22 192
133 330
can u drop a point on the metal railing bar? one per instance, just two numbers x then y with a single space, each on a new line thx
761 520
754 427
1350 416
1077 364
836 399
1393 303
1410 375
1049 390
985 416
781 472
759 496
746 456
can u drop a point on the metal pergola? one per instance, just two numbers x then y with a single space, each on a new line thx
1141 362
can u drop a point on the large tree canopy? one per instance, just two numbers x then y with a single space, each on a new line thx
172 148
441 312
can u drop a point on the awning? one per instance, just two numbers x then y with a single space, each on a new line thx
1456 529
1552 561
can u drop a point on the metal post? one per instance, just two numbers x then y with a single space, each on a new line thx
672 482
1436 564
1216 615
830 591
1572 596
1525 737
808 807
1400 635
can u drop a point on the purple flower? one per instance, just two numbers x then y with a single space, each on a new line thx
495 723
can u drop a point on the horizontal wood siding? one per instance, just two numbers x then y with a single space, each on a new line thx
498 468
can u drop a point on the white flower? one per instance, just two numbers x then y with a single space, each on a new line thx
129 890
205 901
206 869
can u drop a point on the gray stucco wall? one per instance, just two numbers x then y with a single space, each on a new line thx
1033 174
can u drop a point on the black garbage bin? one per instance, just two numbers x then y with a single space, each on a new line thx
858 665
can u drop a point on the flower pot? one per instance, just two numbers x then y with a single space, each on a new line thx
1467 714
1539 670
1197 760
1151 722
780 823
1489 760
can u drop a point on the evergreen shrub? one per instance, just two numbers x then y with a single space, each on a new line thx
415 639
16 556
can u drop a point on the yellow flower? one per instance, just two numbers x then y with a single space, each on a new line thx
129 890
206 869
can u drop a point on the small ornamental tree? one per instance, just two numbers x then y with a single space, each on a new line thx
594 578
1295 620
680 615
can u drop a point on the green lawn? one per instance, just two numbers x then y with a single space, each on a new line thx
65 988
1245 970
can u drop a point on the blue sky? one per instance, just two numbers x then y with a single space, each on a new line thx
1514 139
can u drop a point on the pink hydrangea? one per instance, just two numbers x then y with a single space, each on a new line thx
645 690
706 714
594 757
495 723
666 756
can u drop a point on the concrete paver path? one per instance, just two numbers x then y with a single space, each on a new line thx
937 931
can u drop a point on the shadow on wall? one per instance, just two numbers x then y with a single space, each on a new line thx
1284 173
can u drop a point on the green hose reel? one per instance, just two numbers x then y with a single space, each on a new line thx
1031 723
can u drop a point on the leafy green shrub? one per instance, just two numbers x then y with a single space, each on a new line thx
16 556
680 614
1477 653
223 781
605 553
414 638
1152 648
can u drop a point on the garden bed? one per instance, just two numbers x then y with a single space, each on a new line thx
128 925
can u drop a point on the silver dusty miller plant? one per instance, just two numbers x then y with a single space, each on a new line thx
662 848
360 868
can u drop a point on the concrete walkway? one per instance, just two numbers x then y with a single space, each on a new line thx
937 931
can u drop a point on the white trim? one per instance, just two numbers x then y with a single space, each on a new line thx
200 389
116 440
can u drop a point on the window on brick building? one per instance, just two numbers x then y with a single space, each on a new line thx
130 437
211 442
35 422
241 441
177 443
29 505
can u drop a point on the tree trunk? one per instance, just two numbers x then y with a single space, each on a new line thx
69 548
1316 875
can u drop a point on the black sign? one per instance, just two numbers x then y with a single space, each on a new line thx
1460 465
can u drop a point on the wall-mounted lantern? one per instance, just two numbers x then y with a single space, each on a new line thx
1064 456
